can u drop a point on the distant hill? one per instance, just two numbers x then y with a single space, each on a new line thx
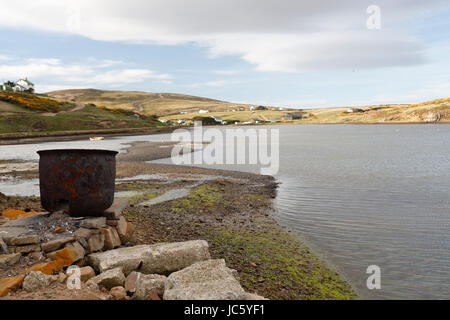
160 104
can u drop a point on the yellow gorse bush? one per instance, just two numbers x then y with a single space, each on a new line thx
30 101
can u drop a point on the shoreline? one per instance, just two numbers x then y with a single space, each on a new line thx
234 212
29 138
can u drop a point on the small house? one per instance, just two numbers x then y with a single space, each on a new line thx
203 111
24 85
292 116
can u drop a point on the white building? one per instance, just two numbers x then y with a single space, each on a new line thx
203 111
23 85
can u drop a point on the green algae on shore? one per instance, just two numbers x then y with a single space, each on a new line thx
234 218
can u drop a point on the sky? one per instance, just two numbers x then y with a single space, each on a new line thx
292 53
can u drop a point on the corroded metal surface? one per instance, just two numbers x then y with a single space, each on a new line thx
80 181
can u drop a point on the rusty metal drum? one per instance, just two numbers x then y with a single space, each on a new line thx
82 182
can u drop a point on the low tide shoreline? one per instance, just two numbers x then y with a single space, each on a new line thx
231 210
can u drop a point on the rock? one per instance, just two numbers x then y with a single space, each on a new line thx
93 223
3 246
92 286
152 259
205 280
83 233
54 245
9 284
59 230
51 267
70 254
62 277
25 249
83 242
130 281
145 284
109 279
7 260
112 223
82 262
128 237
153 295
118 293
252 296
22 240
115 211
86 273
112 239
125 230
37 256
36 280
96 242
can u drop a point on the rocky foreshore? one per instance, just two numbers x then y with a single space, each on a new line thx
96 253
227 214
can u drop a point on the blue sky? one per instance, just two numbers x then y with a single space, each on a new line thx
285 53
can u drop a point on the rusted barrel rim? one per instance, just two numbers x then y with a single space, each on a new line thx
77 151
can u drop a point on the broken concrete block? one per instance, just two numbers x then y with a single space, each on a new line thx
36 280
7 260
161 258
93 223
205 280
145 284
55 244
109 279
112 239
115 211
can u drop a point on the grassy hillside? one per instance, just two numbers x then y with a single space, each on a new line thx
432 111
21 112
171 106
160 104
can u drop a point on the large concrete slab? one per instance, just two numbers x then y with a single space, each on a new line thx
205 280
152 259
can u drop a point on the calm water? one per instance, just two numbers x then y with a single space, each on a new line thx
363 195
359 195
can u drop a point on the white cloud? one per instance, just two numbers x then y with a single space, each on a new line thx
225 72
92 73
288 36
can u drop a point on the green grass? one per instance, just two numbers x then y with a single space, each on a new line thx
19 119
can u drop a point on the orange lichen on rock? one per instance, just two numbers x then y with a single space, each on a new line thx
8 284
15 214
68 255
48 268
